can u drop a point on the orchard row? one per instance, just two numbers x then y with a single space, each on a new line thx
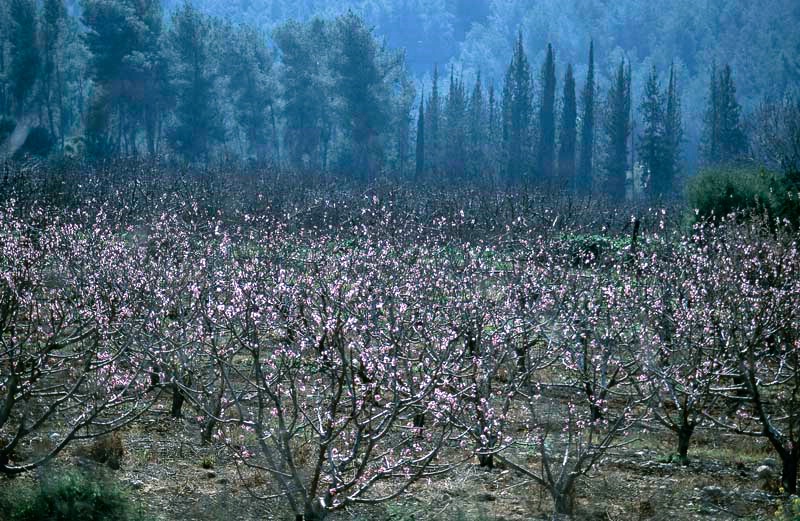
387 348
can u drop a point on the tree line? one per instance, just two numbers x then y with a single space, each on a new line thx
121 80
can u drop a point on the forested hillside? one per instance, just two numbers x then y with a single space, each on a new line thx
401 87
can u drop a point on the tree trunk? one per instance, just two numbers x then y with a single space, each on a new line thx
684 436
790 464
563 501
177 402
314 511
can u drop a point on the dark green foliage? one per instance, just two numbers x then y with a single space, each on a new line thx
304 80
618 130
567 137
24 52
724 140
547 118
652 142
123 38
195 71
673 139
477 131
248 64
433 124
38 143
456 134
584 179
67 496
717 192
7 126
420 144
517 107
359 68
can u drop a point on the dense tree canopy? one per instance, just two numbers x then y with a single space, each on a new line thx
337 86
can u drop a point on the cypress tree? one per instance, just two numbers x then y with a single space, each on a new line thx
618 130
455 112
710 144
420 149
54 12
583 182
24 51
547 117
732 141
432 120
517 101
477 128
652 141
673 135
568 136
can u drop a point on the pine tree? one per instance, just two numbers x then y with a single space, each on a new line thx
248 66
517 102
126 63
305 92
652 144
618 130
420 148
198 117
360 68
568 135
584 179
25 59
547 118
673 135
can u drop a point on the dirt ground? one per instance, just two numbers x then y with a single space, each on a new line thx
174 478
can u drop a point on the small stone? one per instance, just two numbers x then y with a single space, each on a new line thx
712 493
486 497
770 462
223 481
136 484
764 472
211 474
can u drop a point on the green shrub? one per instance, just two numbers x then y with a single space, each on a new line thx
788 510
67 496
717 192
7 126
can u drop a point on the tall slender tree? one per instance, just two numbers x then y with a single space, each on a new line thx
53 14
517 102
547 118
24 51
420 145
455 115
710 143
618 131
584 179
673 135
433 121
477 130
723 137
568 134
652 145
732 140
